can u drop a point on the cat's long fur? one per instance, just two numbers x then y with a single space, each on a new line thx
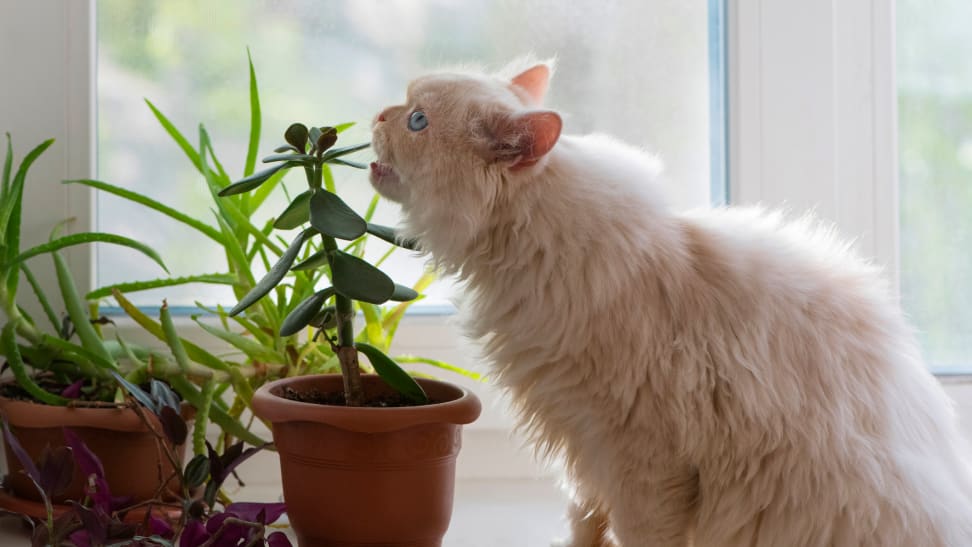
712 378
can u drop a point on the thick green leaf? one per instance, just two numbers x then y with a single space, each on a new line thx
172 338
391 236
41 297
286 148
338 152
255 120
263 192
297 213
348 163
393 374
301 159
296 136
305 312
88 237
252 348
195 352
202 227
7 165
135 286
331 216
10 207
314 261
252 181
8 346
177 136
276 273
359 280
77 311
403 294
230 425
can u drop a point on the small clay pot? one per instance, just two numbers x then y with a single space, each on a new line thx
133 464
367 476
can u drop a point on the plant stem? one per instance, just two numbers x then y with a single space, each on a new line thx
346 352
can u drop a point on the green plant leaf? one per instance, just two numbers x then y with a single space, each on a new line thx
440 364
139 394
76 311
331 216
392 374
7 165
89 363
255 120
195 352
41 297
252 181
8 346
202 227
391 236
172 338
297 159
344 150
89 237
230 425
196 470
252 348
261 194
286 148
305 312
180 140
359 280
135 286
314 261
348 163
13 200
403 294
341 127
276 273
296 135
297 213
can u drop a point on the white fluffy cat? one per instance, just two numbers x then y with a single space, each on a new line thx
713 378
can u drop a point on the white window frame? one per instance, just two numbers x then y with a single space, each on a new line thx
812 124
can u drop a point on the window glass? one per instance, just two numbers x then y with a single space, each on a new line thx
637 70
935 142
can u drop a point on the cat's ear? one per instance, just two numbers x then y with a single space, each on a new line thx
534 81
521 140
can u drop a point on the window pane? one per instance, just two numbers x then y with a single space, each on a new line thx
935 142
638 70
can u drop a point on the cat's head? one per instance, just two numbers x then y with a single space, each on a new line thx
460 142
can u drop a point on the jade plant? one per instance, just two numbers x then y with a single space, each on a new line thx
329 310
268 349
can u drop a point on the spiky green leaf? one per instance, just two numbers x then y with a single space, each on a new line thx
135 286
255 120
90 237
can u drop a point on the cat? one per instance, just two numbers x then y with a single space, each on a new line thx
716 378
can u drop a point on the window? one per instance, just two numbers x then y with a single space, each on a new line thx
647 72
935 121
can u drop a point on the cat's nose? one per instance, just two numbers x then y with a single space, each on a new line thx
382 116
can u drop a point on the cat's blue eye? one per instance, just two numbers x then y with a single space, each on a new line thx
417 121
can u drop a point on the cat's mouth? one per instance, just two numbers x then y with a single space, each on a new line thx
383 174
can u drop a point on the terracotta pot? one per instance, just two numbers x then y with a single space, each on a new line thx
127 449
367 476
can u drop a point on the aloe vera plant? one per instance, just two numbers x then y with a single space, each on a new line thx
54 368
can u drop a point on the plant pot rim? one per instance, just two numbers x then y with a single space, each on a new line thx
37 415
462 406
